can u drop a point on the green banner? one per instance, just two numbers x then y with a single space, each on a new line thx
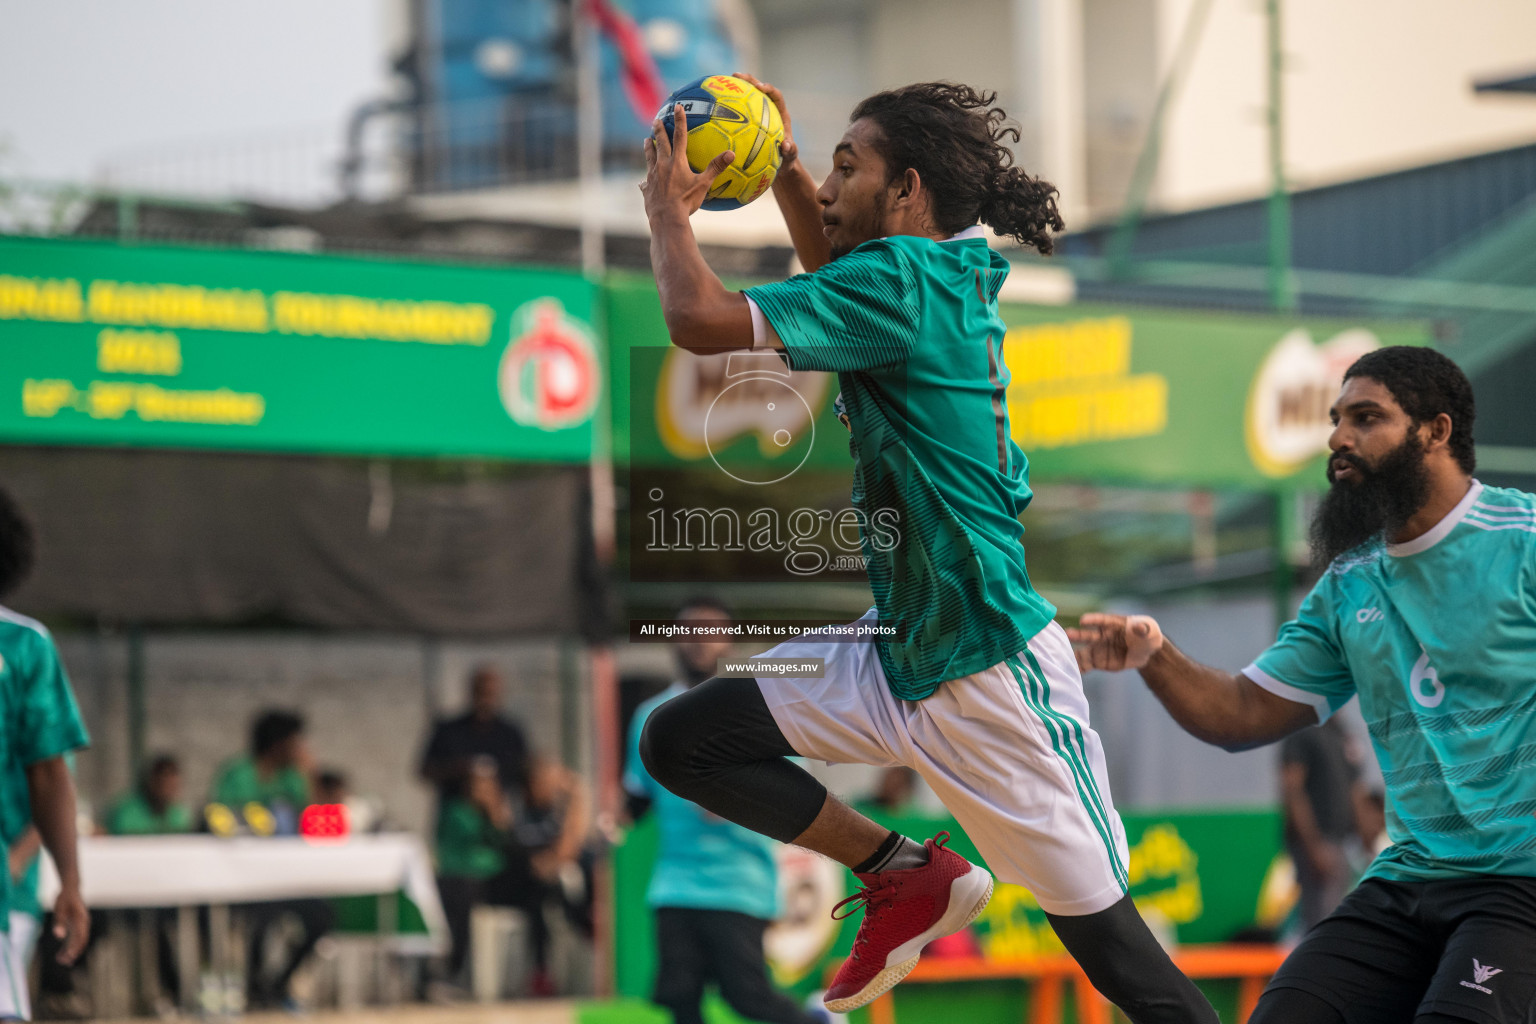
1101 394
1181 398
103 344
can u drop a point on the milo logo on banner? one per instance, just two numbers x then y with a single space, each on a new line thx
549 375
705 403
1286 423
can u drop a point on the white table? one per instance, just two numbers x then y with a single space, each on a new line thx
188 871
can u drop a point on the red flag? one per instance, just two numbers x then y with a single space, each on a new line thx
642 82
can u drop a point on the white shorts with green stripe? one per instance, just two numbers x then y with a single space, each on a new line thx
1008 750
16 948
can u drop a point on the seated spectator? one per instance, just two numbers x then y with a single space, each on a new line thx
271 783
554 830
482 860
364 814
154 806
268 789
331 787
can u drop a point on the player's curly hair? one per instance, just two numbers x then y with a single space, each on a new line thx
954 138
17 545
1426 384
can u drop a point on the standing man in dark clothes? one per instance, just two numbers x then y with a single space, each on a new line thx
1317 792
482 732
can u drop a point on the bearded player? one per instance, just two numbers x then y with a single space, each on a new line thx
1427 612
974 686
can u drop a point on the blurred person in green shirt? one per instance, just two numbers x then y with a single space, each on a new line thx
274 777
39 726
154 806
268 789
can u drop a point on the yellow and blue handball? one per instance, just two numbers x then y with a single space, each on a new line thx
725 113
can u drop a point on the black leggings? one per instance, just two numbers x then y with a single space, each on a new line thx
719 746
1118 952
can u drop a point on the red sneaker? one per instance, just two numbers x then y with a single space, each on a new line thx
903 912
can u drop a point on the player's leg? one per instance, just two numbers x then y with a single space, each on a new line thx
682 964
1123 960
1290 1005
1487 971
721 746
1009 752
724 746
1369 961
736 964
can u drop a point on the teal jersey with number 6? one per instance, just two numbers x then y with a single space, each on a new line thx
911 328
1438 638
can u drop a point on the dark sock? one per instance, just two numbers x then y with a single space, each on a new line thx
896 853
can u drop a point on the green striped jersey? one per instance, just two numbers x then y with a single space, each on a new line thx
1438 638
38 720
911 328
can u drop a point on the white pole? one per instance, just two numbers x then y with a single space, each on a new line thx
1048 40
589 137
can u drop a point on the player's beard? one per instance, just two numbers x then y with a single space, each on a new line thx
1379 502
867 230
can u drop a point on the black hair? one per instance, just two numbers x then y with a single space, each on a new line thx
331 778
954 137
273 728
18 545
707 601
1426 384
161 764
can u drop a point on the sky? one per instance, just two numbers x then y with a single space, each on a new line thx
173 86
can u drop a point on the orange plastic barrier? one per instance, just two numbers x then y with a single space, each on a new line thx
1252 966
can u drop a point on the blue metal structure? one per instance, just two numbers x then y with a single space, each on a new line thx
496 84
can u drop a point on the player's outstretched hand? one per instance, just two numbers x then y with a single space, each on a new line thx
71 924
669 181
1115 642
787 149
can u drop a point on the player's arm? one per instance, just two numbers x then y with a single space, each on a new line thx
795 191
703 316
52 791
1223 708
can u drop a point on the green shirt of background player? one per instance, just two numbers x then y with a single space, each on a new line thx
474 830
1425 611
41 725
275 775
153 807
